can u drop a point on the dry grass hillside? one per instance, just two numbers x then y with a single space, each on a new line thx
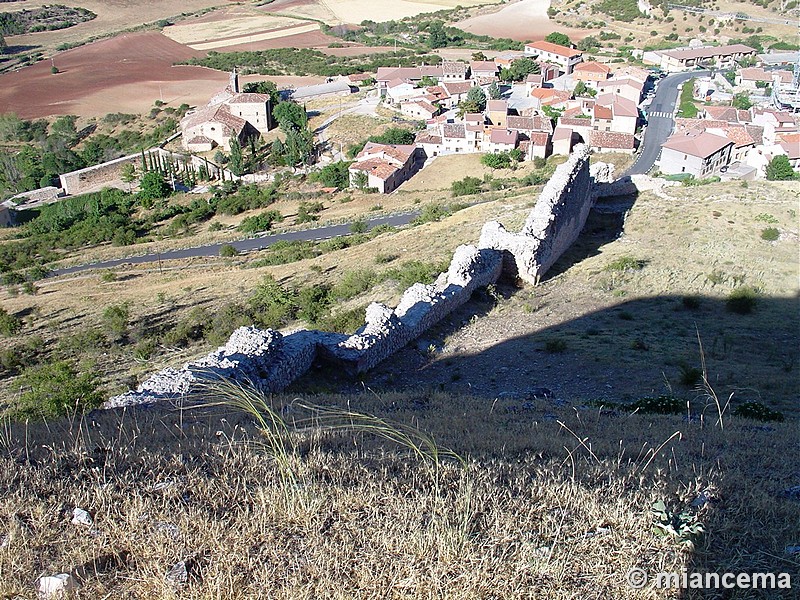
511 453
392 496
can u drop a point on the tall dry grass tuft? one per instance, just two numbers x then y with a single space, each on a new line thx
447 474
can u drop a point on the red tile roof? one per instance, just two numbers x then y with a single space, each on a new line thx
504 136
612 139
592 67
556 49
695 143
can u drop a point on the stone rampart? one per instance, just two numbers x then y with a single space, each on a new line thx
272 361
552 226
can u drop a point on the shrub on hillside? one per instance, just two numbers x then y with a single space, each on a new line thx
55 389
466 186
742 300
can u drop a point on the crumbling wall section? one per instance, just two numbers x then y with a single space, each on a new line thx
386 331
553 224
264 358
272 361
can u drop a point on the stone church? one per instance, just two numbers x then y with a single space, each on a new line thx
230 113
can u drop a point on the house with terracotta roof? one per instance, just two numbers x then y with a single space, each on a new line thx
590 72
454 71
612 141
549 97
385 166
566 58
726 113
483 69
496 112
501 140
790 144
719 57
698 153
775 123
533 82
627 88
419 108
750 78
456 92
398 90
622 114
632 72
229 114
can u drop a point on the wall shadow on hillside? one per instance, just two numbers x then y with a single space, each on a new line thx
603 225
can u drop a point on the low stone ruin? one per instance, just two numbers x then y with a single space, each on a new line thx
272 360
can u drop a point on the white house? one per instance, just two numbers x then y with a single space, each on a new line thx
384 166
697 153
565 58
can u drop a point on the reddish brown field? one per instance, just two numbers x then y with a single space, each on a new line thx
124 74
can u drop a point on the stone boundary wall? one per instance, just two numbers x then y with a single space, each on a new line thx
90 178
271 361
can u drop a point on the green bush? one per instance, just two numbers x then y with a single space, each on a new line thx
662 405
770 234
313 303
466 186
271 305
228 251
415 271
55 389
115 319
260 222
9 324
353 283
758 412
742 300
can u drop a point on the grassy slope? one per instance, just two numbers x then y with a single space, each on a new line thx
543 510
539 513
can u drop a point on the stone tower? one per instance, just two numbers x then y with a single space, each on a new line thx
234 84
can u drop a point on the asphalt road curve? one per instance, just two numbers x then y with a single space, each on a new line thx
246 245
660 120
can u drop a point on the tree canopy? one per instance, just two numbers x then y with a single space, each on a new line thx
290 115
558 38
780 169
264 87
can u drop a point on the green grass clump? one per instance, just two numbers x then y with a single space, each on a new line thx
660 405
626 263
770 234
554 345
742 300
758 412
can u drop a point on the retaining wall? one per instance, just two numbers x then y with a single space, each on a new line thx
272 361
109 173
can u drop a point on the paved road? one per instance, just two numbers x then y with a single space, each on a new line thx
660 120
250 244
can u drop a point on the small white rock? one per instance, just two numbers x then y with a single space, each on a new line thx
56 586
81 517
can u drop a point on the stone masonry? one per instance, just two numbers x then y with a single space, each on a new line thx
271 361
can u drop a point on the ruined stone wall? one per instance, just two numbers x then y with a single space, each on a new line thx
272 361
552 226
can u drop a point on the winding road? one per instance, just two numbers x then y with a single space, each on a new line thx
660 124
247 245
660 120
